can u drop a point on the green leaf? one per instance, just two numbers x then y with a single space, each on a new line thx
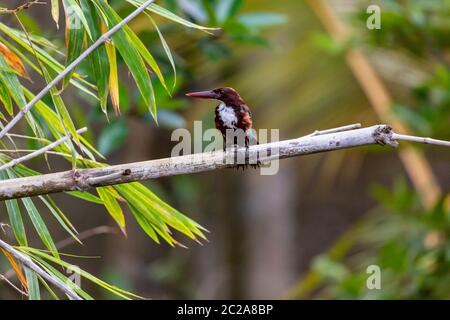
74 36
77 13
131 57
167 51
55 11
171 16
15 217
55 273
5 98
98 58
43 56
52 293
107 194
113 77
145 224
86 196
60 217
12 84
63 113
40 226
33 285
137 43
117 291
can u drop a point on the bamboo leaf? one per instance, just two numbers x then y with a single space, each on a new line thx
131 57
60 217
85 196
57 274
145 224
108 195
45 57
63 113
74 36
146 55
72 8
113 77
16 268
12 84
98 58
117 291
15 218
55 11
167 51
5 98
33 285
40 226
171 16
13 61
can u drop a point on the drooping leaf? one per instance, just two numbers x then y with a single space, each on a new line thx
107 194
168 53
85 196
33 285
117 291
171 16
98 58
55 11
40 226
74 36
44 57
113 77
63 113
5 98
13 61
60 217
131 56
16 268
12 84
15 217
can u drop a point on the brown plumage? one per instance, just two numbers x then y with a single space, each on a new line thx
231 114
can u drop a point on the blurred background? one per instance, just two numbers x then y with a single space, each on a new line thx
312 230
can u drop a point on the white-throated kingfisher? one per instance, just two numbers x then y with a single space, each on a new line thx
231 114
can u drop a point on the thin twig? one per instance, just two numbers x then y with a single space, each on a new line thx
2 277
104 38
404 137
38 152
138 171
333 130
37 269
21 7
86 235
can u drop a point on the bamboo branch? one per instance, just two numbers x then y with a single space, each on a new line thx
104 38
34 267
38 152
87 179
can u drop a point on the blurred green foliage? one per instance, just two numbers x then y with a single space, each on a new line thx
409 243
419 29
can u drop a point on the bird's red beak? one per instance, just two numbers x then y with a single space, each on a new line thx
202 95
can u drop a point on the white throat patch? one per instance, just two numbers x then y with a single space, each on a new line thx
227 115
